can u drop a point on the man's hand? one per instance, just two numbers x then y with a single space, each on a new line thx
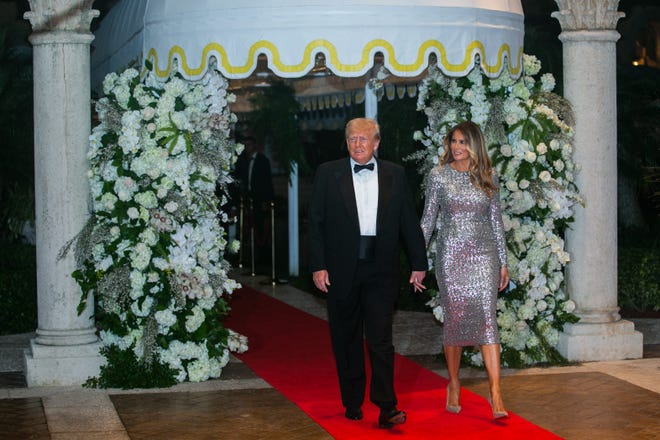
416 278
321 280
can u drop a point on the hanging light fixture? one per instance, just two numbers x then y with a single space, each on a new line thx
320 69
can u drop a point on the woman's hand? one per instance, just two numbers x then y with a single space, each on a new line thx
504 278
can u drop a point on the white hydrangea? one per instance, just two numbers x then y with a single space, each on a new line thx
531 65
439 314
547 82
537 175
236 342
195 320
125 187
199 370
165 319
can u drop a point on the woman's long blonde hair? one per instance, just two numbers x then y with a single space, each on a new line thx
481 170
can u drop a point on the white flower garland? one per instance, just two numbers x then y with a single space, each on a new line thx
155 254
530 144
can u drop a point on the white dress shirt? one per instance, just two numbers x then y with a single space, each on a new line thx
365 184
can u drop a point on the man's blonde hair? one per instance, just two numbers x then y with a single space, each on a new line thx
367 123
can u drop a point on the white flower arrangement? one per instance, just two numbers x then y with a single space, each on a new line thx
528 130
153 256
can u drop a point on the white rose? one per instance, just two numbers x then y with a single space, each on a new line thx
545 176
520 326
171 206
524 184
133 212
148 113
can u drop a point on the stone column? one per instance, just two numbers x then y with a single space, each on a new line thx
65 350
589 55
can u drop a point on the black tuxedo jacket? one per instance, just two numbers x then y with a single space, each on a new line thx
334 228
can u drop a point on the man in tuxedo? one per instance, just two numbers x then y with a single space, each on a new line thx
254 173
360 210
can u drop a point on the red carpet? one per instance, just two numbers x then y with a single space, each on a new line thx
290 350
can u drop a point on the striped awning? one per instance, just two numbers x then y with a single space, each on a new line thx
191 35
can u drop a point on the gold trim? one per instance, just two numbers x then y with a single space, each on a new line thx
314 46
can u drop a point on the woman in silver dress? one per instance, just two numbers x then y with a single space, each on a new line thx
470 255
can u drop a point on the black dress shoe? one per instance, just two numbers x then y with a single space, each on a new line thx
388 418
353 413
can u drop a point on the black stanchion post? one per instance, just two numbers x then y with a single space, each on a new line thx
240 233
273 280
252 235
272 241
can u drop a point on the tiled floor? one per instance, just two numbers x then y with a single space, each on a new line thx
23 419
601 400
582 405
235 414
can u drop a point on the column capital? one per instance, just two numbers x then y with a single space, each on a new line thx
61 15
583 15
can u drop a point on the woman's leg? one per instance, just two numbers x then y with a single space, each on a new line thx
453 358
491 356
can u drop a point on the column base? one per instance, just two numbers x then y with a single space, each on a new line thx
49 365
600 342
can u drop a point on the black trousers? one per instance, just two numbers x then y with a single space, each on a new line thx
367 309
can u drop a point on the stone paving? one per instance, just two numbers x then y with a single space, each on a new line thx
584 398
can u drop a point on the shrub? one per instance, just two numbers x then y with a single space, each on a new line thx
18 288
639 279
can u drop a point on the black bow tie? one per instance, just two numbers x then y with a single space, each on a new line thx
357 167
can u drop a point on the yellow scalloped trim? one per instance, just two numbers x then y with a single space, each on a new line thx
314 46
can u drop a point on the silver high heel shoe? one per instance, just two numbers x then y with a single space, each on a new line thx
454 409
497 414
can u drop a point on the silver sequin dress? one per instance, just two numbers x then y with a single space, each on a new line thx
469 255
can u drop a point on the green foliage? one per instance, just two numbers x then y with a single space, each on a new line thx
638 112
125 371
399 119
275 115
16 132
638 136
639 278
18 289
514 357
